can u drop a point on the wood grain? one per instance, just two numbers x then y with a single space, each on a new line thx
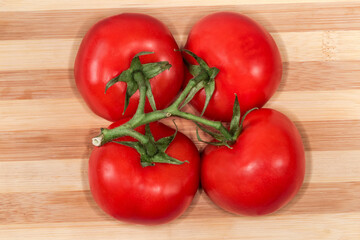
293 46
37 114
52 207
55 83
293 227
46 126
317 136
27 5
275 18
321 75
33 84
58 175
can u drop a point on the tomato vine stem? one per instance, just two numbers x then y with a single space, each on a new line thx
141 118
140 80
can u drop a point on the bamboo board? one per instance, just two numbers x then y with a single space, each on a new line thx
46 127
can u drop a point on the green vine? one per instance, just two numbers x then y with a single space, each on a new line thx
137 78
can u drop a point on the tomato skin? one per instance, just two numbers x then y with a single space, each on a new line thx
247 57
107 50
144 195
263 171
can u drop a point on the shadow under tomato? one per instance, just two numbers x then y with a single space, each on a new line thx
292 206
85 182
191 209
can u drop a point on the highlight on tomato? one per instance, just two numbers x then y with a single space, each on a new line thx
261 171
246 56
141 171
134 187
107 50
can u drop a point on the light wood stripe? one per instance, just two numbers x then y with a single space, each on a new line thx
52 207
318 45
319 76
62 144
294 47
275 18
50 54
298 76
71 174
44 176
323 166
39 114
317 106
28 5
231 227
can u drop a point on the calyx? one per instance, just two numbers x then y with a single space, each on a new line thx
236 127
137 78
138 75
154 151
203 77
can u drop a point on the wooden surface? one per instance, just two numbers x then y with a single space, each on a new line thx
46 127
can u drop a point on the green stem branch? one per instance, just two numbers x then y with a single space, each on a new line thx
111 134
140 79
108 135
214 124
141 118
183 95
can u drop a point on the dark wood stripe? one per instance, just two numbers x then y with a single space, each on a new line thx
55 144
277 17
313 198
78 206
76 143
330 135
322 198
49 207
35 84
298 76
46 145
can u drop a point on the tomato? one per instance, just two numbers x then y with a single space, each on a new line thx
263 170
107 50
145 195
247 57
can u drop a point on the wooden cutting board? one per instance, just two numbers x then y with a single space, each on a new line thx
46 127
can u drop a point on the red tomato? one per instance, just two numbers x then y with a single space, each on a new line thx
263 170
107 50
247 57
146 195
